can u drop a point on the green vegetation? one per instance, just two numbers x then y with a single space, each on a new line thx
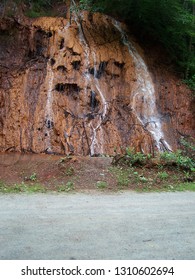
66 188
183 159
64 159
33 177
191 83
170 22
21 188
163 175
101 184
151 180
122 175
64 166
122 178
135 158
163 172
69 171
188 146
177 159
184 187
33 188
169 188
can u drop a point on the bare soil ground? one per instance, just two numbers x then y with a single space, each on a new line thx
61 173
52 171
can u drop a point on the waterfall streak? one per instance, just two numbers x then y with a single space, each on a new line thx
48 108
144 94
96 146
98 88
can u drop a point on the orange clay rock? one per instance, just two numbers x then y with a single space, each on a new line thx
85 89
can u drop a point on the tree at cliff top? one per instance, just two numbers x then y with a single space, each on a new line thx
171 22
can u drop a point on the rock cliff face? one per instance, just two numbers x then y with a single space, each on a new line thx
85 89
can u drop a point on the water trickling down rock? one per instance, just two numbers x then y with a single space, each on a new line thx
143 96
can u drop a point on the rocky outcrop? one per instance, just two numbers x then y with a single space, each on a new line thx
81 88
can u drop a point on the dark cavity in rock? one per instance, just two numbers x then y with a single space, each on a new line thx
52 61
76 64
49 124
119 65
97 74
61 68
62 44
69 89
93 100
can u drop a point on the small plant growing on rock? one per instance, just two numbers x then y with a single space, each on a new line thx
122 180
33 177
3 187
65 159
66 188
101 184
143 179
162 175
69 171
188 176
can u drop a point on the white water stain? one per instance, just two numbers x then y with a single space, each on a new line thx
97 143
48 108
144 95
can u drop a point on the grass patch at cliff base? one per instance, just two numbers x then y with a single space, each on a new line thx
21 188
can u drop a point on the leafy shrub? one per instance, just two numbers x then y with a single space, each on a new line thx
184 159
188 146
136 158
178 159
168 159
130 158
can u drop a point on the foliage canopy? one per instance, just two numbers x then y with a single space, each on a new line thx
170 22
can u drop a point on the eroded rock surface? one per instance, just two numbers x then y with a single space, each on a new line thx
72 88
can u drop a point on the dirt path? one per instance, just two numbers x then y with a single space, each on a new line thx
98 226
